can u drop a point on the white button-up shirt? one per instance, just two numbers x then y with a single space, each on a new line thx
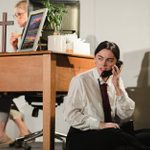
83 104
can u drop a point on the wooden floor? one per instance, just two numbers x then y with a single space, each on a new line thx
34 146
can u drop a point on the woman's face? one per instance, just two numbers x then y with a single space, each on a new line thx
21 16
105 60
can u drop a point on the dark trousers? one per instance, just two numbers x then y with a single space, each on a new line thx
104 139
5 102
143 135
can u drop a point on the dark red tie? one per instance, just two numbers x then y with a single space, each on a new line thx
106 104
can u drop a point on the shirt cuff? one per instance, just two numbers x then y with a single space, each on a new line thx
121 98
93 123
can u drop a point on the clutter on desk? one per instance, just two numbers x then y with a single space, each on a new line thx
68 43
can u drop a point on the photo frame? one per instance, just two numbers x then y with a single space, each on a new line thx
32 32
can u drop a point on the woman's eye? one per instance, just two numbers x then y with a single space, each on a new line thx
110 60
100 58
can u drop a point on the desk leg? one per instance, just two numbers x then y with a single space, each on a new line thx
49 95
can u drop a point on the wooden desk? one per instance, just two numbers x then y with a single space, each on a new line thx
41 71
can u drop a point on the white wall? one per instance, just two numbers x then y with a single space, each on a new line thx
123 21
126 22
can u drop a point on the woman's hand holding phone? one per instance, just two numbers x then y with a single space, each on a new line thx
116 70
108 73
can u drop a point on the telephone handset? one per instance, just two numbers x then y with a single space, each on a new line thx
107 73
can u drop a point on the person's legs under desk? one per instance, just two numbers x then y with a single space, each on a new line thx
4 139
17 117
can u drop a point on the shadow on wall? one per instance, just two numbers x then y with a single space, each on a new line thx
144 78
141 93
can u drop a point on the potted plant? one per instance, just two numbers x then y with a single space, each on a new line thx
54 15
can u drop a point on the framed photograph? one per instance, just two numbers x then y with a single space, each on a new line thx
32 32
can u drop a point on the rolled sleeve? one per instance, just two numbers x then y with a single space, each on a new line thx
125 107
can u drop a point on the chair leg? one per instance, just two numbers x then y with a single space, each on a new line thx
27 147
62 138
23 142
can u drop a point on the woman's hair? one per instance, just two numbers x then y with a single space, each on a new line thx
22 4
110 46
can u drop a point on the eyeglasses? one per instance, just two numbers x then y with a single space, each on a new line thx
16 15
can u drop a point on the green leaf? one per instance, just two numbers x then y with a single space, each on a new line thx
55 14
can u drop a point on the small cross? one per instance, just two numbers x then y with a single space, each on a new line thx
4 23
